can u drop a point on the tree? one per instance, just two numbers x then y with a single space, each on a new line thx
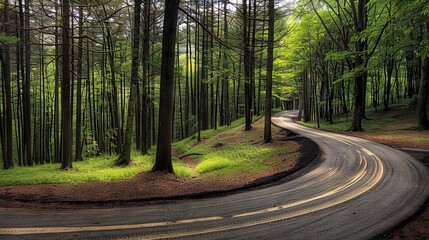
26 88
78 139
247 69
269 83
125 155
66 123
163 160
7 146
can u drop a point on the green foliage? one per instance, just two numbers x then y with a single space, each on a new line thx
9 40
91 148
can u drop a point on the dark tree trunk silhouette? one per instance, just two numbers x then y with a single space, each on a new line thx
163 161
26 89
78 139
124 157
66 129
247 70
6 67
423 92
269 83
145 90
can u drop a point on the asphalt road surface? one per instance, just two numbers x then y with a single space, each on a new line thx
358 190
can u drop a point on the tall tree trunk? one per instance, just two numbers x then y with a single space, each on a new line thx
66 129
410 58
26 89
203 96
124 157
114 95
360 60
423 92
225 84
145 91
57 140
163 161
7 147
247 70
269 83
78 144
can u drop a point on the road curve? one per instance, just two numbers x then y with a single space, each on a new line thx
359 190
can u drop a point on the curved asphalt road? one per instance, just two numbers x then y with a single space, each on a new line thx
359 190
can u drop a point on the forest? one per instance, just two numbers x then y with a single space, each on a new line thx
87 78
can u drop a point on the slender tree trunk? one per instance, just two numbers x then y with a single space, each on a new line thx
145 91
163 161
226 111
423 92
269 83
247 71
187 72
7 146
78 144
387 88
26 89
410 58
360 80
57 140
66 129
124 157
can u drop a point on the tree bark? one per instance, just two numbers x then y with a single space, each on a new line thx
7 147
26 89
163 161
247 70
423 91
145 91
269 83
78 140
125 156
66 129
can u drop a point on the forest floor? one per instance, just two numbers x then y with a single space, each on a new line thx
395 128
291 152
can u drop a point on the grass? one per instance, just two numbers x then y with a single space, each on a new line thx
234 157
91 170
396 127
227 151
187 143
399 114
96 169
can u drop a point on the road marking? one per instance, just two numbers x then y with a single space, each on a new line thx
374 179
367 186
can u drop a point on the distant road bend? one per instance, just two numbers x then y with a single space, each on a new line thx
359 190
